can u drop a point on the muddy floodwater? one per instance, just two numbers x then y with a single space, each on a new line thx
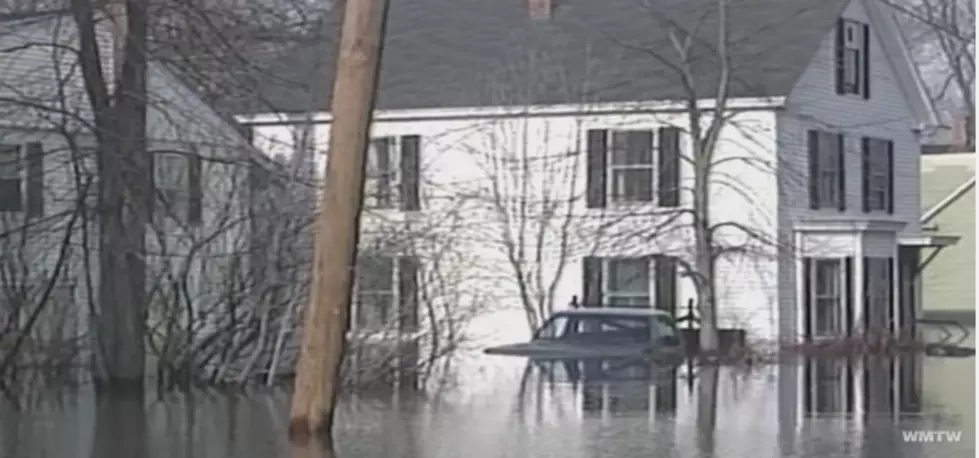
497 408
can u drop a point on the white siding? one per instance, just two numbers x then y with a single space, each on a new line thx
42 99
461 161
814 104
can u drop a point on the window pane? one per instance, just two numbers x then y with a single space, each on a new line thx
170 171
9 161
375 273
827 277
632 147
628 276
851 68
374 310
632 185
827 319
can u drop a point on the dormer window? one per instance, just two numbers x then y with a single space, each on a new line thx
853 58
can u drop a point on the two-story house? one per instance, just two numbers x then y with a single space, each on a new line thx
550 144
49 180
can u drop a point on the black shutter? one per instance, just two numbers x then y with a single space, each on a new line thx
597 164
666 269
848 299
866 61
839 56
841 162
151 203
35 180
865 162
407 294
194 190
866 295
669 167
891 316
808 386
11 189
807 292
890 177
813 145
410 173
849 386
591 282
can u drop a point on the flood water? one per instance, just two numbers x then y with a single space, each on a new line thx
499 410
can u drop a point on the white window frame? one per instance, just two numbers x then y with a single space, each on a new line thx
853 57
612 169
391 294
171 177
627 298
827 296
14 170
373 176
878 176
828 181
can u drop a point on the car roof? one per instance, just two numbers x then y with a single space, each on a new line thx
614 311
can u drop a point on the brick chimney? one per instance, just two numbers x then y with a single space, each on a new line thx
540 9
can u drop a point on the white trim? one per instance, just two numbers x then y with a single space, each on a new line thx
739 103
926 240
848 225
948 200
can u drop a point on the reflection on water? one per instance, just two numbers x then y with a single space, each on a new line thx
567 410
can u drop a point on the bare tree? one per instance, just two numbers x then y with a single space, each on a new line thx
943 39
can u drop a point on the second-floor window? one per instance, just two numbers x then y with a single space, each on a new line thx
853 58
878 175
177 179
633 166
827 171
392 180
22 179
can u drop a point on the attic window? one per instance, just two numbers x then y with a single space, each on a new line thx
853 58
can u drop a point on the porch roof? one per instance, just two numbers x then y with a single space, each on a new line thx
926 240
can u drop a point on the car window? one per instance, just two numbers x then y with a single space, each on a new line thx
613 328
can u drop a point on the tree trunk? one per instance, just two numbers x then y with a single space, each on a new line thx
704 255
124 190
707 408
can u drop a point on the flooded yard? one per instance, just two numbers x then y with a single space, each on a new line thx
500 409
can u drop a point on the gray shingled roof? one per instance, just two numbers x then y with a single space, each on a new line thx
458 53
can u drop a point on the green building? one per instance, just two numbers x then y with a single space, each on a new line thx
948 201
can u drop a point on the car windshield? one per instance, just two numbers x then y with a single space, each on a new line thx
606 327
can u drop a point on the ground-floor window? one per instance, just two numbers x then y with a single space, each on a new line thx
642 281
878 295
627 282
826 305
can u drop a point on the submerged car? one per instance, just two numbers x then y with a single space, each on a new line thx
606 332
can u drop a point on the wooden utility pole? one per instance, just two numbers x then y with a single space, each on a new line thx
338 221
